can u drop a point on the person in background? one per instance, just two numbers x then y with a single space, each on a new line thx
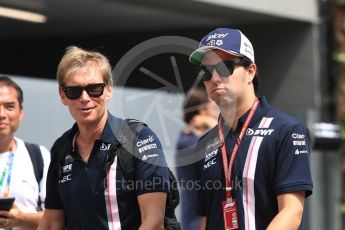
200 115
17 176
77 195
255 173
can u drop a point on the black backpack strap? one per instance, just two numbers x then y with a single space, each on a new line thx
125 148
36 159
127 139
38 165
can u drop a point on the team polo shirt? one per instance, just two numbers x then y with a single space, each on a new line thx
94 199
273 159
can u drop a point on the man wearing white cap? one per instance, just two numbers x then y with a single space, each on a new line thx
255 170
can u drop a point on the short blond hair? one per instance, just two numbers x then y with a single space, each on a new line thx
76 58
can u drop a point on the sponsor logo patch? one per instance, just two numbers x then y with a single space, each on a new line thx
145 157
105 146
211 154
298 136
150 139
147 147
68 159
217 35
67 168
298 143
65 178
209 163
259 132
213 145
297 152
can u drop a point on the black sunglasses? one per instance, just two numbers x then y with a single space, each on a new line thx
74 92
223 68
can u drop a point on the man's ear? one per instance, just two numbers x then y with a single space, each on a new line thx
21 113
108 92
252 71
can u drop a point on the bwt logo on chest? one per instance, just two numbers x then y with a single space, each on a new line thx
259 132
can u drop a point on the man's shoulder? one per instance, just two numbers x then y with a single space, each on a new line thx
283 123
140 128
281 117
116 127
186 140
276 115
208 142
114 119
209 134
68 134
64 138
21 142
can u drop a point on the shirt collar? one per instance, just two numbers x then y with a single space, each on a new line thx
110 130
259 113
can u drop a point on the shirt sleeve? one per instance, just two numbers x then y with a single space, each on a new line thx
151 168
292 162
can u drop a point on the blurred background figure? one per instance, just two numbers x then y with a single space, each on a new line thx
200 114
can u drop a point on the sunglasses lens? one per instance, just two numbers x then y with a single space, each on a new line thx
225 69
95 90
204 73
73 92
